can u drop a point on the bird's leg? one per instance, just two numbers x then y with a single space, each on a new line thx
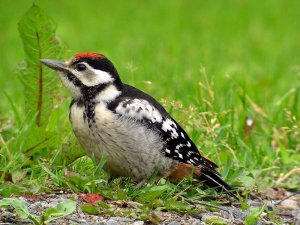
140 184
152 177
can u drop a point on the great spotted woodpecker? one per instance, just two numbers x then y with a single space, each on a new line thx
128 126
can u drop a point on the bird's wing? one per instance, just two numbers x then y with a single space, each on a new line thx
178 144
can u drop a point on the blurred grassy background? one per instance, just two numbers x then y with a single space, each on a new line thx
255 43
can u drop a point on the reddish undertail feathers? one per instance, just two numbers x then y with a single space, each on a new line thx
210 177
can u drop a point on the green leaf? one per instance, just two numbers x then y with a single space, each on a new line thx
150 193
216 221
102 205
254 215
100 166
175 205
20 208
18 175
90 209
94 209
247 181
37 31
62 209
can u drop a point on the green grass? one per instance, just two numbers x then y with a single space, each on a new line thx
211 63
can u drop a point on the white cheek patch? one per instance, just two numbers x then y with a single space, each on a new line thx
108 94
92 77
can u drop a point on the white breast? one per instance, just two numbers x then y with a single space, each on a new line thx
132 149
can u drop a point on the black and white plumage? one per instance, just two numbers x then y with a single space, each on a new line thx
127 125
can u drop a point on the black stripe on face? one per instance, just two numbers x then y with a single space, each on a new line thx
91 92
100 64
71 77
88 92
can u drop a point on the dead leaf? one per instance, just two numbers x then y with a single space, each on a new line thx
32 198
276 193
91 198
68 173
7 176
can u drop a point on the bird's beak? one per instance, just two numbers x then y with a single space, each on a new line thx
55 64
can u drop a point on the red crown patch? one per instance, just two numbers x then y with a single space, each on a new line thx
89 55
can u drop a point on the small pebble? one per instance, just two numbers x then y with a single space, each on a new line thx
194 221
121 219
112 222
138 223
271 206
134 204
101 223
174 223
289 204
206 216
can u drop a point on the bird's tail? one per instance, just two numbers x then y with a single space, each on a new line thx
213 179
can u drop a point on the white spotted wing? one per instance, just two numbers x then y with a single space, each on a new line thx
178 145
138 109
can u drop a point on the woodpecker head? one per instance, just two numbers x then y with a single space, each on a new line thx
88 75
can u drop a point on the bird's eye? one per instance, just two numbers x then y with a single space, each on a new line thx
80 67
